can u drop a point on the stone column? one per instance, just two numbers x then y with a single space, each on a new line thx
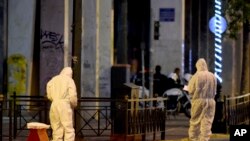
21 22
97 44
52 40
68 18
2 47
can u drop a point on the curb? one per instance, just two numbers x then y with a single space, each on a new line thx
213 136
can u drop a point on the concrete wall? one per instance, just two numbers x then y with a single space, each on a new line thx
168 50
232 64
2 47
97 44
105 46
51 40
97 41
21 17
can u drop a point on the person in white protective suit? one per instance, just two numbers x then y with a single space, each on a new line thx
202 88
61 90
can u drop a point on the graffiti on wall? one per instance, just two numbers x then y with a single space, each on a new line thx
17 75
51 38
51 56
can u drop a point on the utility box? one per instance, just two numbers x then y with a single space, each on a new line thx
133 95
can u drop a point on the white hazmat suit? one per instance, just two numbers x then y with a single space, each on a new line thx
61 90
202 88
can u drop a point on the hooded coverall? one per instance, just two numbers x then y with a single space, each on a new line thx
202 88
61 90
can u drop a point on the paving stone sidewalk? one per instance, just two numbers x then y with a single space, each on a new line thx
176 130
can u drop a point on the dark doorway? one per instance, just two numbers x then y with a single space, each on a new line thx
137 24
138 31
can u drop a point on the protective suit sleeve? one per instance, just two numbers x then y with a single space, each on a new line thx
49 89
73 94
191 85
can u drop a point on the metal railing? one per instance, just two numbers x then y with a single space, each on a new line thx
93 116
237 110
5 127
96 117
146 120
28 109
104 116
1 117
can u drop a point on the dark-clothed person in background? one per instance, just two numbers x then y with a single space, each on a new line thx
160 82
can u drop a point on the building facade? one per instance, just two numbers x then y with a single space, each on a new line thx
38 40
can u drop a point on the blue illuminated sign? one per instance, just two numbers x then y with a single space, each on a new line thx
212 22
